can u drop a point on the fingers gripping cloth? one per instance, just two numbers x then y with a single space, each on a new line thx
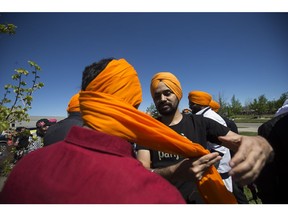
108 105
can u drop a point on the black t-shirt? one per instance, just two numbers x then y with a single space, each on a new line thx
272 181
230 124
196 128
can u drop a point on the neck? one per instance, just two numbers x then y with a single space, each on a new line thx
172 119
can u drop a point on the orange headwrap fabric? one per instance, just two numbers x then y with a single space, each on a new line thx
169 80
108 105
73 105
214 105
200 98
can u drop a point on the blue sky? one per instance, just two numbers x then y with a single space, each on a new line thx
241 54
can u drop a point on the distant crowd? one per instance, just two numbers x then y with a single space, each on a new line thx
25 140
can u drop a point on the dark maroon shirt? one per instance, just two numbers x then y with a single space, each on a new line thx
87 167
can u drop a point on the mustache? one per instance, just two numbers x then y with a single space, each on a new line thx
161 104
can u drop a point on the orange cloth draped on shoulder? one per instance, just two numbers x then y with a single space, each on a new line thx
108 105
73 105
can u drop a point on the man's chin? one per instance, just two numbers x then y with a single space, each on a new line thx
167 112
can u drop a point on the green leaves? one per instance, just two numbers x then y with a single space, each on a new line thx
33 64
21 71
8 29
17 100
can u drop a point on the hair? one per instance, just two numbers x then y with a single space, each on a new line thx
92 71
42 122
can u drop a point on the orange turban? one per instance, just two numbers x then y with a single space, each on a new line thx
169 80
214 105
108 105
73 105
200 98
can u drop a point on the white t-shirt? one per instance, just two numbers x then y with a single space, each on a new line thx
224 162
282 109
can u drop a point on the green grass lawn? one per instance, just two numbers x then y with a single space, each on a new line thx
251 118
248 133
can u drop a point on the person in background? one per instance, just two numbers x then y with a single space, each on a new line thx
21 141
58 131
36 140
199 104
166 93
282 109
202 103
272 181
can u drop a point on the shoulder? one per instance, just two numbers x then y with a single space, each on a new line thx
266 127
215 116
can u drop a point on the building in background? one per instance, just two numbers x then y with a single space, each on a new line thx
33 119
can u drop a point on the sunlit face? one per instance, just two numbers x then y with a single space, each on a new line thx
165 100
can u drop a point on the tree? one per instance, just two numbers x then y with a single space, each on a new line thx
17 109
224 109
236 106
260 105
8 29
151 110
272 108
281 100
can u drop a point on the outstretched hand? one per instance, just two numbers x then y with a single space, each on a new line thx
250 158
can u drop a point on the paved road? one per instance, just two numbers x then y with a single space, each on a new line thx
248 127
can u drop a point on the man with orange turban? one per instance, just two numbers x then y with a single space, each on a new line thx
58 131
199 103
166 92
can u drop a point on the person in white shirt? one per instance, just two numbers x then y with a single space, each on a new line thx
282 109
199 104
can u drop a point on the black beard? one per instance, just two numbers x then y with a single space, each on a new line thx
168 112
194 110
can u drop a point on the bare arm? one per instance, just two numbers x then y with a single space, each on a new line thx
183 170
252 153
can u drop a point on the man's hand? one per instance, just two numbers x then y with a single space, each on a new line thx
194 168
250 158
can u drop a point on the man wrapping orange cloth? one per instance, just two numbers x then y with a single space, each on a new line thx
108 105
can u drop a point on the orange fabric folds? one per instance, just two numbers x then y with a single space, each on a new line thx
169 80
108 105
214 105
200 97
73 105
